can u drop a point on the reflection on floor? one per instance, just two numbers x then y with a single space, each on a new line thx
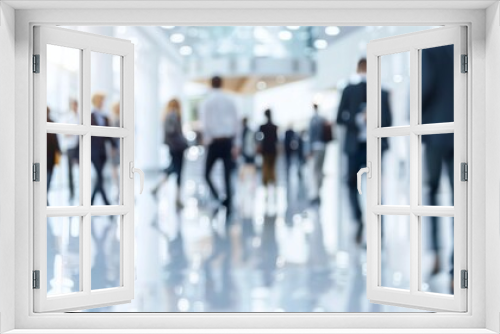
278 253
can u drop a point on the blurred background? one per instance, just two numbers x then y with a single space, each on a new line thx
292 238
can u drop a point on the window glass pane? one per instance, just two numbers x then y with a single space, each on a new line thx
437 254
437 84
63 84
395 252
63 255
395 93
63 170
395 183
437 169
106 236
105 89
105 174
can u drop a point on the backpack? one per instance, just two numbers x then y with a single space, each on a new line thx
327 133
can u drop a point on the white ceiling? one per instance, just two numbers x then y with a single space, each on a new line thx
226 4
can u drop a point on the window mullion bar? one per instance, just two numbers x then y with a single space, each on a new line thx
392 131
109 210
437 128
414 171
105 131
86 236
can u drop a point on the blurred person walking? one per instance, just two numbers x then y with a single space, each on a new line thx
53 154
99 154
291 145
177 143
268 148
115 159
219 122
352 114
72 146
320 134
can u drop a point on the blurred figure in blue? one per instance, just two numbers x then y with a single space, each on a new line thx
220 124
352 114
177 143
247 185
437 107
99 154
319 136
248 145
72 146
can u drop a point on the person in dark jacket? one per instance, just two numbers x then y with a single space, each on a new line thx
53 154
268 142
177 143
437 107
352 115
291 146
99 154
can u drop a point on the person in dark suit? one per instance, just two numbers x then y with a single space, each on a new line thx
268 148
352 115
437 107
99 155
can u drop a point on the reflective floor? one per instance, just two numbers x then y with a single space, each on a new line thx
278 252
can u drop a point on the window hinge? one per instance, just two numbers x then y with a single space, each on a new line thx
36 172
464 279
465 64
464 171
36 279
36 63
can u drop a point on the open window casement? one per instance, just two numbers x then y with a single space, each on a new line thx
416 132
78 225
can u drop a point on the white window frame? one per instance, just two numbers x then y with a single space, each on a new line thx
25 20
414 43
85 43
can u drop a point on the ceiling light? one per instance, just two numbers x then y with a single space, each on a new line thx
177 38
261 85
285 35
168 27
320 44
185 50
332 31
293 27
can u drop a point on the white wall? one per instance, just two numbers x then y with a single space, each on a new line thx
7 117
492 163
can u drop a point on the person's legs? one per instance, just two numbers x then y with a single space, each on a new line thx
70 174
209 164
265 169
177 162
272 168
356 161
228 162
433 163
318 160
99 186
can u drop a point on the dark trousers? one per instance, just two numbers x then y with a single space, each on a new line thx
355 161
220 149
73 157
99 185
175 166
435 158
49 179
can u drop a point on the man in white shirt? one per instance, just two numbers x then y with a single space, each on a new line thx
219 121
